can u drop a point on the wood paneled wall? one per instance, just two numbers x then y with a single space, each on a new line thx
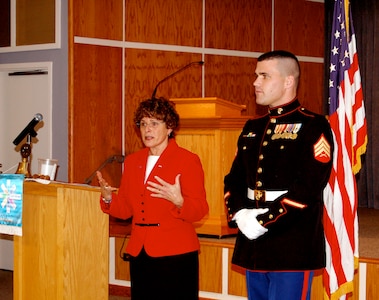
120 49
95 110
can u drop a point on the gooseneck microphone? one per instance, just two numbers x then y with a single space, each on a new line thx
29 129
173 74
118 158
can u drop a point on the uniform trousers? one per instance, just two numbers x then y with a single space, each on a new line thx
279 285
165 278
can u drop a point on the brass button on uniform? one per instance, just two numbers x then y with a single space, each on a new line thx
268 131
259 184
265 143
261 157
271 216
260 170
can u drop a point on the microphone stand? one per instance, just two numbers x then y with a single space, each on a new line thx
110 159
173 74
26 150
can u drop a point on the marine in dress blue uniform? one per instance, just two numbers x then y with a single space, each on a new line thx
282 165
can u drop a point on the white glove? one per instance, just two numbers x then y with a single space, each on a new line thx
246 220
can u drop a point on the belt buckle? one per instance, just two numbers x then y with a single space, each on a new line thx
260 195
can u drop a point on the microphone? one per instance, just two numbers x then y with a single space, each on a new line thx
173 74
29 129
118 158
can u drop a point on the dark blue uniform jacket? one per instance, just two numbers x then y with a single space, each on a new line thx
290 149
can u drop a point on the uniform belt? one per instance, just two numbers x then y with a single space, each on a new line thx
263 195
146 224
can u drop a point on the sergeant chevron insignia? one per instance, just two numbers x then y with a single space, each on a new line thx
321 150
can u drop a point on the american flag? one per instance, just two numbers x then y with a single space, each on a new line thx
348 123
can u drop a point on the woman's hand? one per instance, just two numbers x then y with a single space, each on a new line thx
170 192
106 189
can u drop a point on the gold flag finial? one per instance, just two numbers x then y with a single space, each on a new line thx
347 18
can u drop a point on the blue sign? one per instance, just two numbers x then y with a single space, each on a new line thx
11 194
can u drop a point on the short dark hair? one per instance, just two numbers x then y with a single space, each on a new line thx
293 67
278 54
159 108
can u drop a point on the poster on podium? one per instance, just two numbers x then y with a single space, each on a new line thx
11 193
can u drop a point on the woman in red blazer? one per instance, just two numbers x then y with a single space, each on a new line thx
162 188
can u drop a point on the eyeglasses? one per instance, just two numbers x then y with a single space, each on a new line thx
152 124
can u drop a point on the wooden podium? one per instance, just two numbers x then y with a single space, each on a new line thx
64 250
210 128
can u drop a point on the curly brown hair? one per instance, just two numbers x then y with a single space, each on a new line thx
160 109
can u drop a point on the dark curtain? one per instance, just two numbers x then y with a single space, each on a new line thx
365 14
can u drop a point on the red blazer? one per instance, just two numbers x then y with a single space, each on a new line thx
175 233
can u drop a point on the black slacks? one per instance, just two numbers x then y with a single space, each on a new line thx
165 278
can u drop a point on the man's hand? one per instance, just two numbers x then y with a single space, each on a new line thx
246 220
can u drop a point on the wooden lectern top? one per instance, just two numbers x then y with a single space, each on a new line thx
206 107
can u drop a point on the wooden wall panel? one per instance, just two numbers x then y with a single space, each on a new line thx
355 294
237 279
98 19
210 262
143 70
95 112
122 268
238 25
231 78
372 290
311 86
301 28
164 22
